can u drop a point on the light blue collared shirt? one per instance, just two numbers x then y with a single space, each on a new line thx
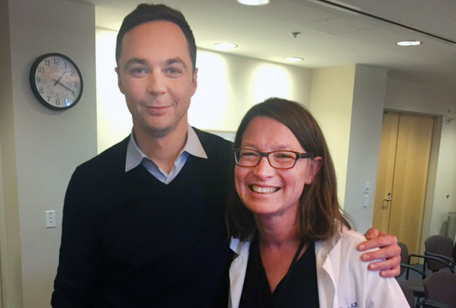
135 157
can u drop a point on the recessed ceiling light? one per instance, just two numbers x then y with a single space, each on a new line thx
408 43
253 2
225 46
293 59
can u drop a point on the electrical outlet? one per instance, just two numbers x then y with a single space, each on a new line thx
50 219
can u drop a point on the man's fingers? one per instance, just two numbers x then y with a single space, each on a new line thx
388 268
372 233
384 253
391 272
379 242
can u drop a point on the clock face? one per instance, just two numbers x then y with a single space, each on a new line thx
56 81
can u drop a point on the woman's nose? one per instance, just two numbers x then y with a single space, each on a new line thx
264 168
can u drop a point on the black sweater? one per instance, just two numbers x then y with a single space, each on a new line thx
128 240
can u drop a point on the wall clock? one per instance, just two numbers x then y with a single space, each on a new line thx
56 81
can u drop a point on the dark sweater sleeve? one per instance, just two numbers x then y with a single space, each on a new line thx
79 268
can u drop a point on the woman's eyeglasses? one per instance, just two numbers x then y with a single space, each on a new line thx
281 159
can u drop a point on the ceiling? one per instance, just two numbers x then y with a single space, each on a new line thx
332 32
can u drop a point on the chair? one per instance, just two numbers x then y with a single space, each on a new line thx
440 290
415 284
441 247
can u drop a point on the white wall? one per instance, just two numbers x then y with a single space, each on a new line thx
331 102
113 118
47 144
228 86
364 144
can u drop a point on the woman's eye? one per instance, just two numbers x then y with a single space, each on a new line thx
248 154
283 156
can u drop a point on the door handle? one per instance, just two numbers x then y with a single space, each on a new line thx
386 202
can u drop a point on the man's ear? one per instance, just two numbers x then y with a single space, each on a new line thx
119 80
194 80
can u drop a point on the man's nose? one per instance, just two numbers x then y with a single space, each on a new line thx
156 83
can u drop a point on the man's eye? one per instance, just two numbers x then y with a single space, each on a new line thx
137 70
172 71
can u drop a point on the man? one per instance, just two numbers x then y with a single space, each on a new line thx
143 221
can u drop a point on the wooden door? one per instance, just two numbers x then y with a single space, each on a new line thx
402 176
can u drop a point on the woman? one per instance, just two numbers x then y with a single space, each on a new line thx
293 246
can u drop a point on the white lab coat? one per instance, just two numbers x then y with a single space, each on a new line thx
343 279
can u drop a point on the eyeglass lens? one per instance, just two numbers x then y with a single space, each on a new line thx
277 159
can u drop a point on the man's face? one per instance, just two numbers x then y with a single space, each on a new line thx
156 76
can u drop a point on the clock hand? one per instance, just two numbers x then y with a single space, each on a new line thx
57 81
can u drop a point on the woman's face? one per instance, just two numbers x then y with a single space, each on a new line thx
263 189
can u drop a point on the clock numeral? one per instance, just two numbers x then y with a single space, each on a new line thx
38 79
40 89
48 98
65 65
57 101
40 69
72 73
56 61
75 84
47 62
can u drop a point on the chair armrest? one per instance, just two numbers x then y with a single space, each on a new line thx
410 267
445 258
437 258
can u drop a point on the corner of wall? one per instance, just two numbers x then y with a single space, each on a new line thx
10 253
364 143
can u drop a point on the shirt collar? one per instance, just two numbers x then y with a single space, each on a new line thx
192 146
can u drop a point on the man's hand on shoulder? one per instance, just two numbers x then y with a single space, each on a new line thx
389 250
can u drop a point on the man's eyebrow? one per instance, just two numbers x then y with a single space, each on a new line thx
176 60
135 61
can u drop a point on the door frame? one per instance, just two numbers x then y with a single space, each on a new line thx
432 177
432 173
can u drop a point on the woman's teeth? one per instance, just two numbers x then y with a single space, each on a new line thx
263 190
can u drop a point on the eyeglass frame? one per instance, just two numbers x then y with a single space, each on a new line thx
266 154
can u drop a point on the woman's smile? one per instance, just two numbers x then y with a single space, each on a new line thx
263 189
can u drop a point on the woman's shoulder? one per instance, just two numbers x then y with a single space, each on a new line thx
352 238
344 244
